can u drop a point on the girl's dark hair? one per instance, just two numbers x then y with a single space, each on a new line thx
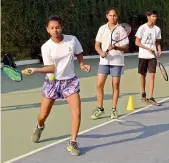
54 18
151 12
117 11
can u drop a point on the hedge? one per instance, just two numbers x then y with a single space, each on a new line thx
23 22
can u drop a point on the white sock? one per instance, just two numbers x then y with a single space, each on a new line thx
40 127
73 140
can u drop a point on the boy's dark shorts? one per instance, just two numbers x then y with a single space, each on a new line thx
147 64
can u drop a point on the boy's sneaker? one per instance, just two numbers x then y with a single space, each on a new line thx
152 101
143 97
97 113
37 134
73 148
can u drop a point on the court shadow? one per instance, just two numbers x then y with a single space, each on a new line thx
104 117
54 138
160 109
146 132
60 102
120 122
108 116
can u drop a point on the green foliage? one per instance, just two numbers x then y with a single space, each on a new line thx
23 22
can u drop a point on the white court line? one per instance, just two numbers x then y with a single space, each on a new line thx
85 131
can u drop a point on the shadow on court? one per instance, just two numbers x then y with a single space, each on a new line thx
154 111
54 138
145 132
62 102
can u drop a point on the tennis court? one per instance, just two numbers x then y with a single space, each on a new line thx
136 137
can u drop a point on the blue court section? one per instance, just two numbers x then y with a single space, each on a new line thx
142 137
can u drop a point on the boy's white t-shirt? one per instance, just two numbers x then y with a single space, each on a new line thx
148 38
114 57
61 55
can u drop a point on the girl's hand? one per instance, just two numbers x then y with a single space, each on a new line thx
85 68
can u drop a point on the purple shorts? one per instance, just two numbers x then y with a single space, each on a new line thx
60 88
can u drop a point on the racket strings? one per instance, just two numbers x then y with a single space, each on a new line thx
121 32
116 35
127 28
11 73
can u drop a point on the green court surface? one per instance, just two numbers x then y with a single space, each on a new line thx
21 102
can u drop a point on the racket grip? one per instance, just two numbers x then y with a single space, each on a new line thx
153 51
106 52
29 72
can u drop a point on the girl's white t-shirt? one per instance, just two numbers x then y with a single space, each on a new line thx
114 57
61 55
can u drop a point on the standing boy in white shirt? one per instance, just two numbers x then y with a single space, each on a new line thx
148 40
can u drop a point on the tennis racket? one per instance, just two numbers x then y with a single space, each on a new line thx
161 67
12 71
118 34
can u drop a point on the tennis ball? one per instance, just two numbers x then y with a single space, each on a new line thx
51 76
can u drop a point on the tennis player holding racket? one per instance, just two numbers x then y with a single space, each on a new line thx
111 61
58 57
148 40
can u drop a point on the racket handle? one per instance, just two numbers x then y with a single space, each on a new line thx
106 52
153 51
29 72
155 55
109 50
